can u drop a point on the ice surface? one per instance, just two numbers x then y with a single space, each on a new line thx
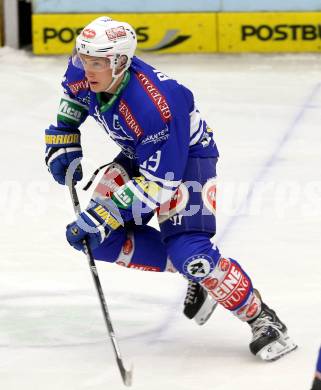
266 112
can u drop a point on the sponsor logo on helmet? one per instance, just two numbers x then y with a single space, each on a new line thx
105 19
116 33
89 33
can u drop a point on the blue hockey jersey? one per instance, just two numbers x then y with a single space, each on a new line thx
152 118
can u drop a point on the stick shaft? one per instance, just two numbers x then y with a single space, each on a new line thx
126 375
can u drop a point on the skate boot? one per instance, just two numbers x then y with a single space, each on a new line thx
198 304
316 384
270 340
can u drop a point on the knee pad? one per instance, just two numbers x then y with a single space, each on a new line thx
140 248
193 254
144 250
110 248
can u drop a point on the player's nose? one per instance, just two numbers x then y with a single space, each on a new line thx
89 73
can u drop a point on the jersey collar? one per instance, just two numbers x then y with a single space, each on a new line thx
103 107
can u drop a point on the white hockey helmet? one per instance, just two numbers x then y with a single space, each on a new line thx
108 38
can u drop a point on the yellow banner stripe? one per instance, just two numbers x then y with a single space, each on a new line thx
165 32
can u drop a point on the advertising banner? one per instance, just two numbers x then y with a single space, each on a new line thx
166 33
269 32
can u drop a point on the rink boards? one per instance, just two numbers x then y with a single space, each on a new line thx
207 32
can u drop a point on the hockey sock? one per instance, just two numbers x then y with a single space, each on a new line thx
230 286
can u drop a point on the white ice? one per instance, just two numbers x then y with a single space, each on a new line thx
266 112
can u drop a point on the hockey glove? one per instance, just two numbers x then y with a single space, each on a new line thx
62 147
94 224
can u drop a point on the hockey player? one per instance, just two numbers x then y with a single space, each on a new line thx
317 377
167 164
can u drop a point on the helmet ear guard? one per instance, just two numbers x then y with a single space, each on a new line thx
121 64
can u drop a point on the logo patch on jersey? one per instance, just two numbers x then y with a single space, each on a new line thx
116 33
157 98
130 119
70 111
79 85
198 266
157 137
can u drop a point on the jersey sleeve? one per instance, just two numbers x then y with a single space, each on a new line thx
73 107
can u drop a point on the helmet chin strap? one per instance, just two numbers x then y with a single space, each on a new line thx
115 78
113 81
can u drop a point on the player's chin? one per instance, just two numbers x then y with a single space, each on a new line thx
96 87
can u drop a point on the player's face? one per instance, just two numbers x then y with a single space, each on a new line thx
98 72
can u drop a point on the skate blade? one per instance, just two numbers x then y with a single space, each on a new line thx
205 311
277 349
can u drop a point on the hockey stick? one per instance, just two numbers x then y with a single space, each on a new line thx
125 374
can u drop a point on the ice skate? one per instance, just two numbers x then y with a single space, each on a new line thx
316 384
270 340
198 304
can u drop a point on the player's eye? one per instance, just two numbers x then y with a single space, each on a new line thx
98 65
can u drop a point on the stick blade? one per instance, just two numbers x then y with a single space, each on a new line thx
128 378
127 375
